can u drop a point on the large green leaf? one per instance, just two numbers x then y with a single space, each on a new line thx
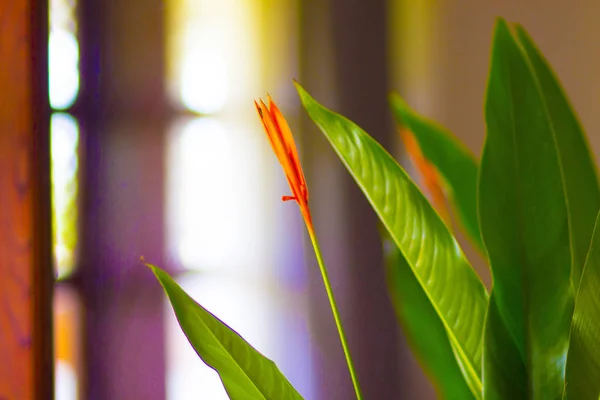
245 373
457 165
455 291
524 224
422 326
504 371
579 170
583 361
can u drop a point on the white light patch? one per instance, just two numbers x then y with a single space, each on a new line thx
64 139
63 68
204 86
213 197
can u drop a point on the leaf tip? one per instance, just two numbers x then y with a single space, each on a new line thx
155 270
500 22
501 32
298 86
147 264
301 92
396 100
523 35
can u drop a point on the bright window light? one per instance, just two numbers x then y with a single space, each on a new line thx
63 54
204 77
65 382
222 202
63 67
64 139
213 201
212 53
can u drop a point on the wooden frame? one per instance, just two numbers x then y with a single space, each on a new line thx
26 280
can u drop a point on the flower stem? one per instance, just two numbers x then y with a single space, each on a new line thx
334 309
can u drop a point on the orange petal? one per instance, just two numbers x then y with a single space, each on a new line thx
262 119
429 174
289 143
273 134
279 147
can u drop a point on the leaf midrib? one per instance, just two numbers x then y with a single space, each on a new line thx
583 270
524 276
450 332
564 188
519 218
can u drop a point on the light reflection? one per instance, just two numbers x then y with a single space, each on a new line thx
63 68
212 53
65 381
204 77
63 54
64 139
213 196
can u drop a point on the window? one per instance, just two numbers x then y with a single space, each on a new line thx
222 191
63 79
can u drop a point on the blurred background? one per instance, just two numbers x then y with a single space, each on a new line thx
156 151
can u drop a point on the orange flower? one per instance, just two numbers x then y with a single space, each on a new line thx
429 174
282 142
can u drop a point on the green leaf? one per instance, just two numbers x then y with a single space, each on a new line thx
524 224
579 170
455 291
583 361
504 371
245 373
456 164
422 326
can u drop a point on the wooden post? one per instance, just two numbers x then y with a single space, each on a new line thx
25 235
